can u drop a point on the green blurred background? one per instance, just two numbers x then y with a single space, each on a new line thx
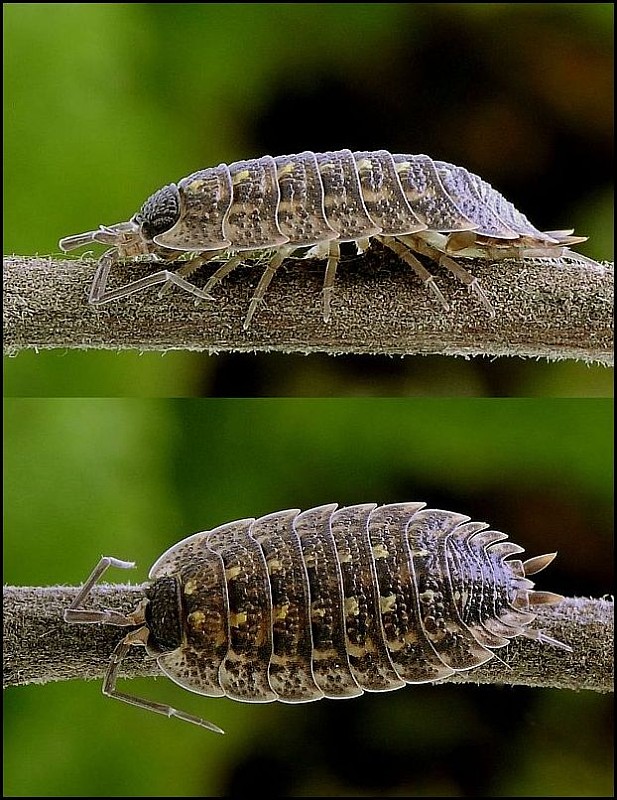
129 477
106 102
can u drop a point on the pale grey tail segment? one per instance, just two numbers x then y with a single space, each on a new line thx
330 602
306 205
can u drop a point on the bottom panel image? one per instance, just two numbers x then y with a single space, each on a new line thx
369 597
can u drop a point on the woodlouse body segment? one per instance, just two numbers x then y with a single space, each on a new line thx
411 204
328 602
383 194
342 197
427 196
330 663
301 215
251 223
205 200
290 673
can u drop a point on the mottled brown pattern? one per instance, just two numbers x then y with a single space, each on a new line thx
368 653
297 605
331 667
197 663
205 199
244 671
301 215
290 672
251 221
384 198
411 653
343 201
441 623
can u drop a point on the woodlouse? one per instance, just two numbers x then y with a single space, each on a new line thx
409 203
296 606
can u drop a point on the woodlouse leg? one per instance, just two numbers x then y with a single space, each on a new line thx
188 268
263 284
456 269
538 636
559 252
223 270
403 252
140 638
99 295
76 613
334 255
459 240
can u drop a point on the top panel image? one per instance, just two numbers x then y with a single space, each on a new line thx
276 199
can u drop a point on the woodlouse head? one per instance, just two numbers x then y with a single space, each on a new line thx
159 213
163 616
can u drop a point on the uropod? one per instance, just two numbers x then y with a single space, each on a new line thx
330 602
308 204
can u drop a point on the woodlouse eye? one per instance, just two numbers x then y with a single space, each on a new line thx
160 212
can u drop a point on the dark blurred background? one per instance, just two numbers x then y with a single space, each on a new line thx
129 477
107 102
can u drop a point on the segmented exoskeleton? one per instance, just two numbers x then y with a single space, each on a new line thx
296 606
409 203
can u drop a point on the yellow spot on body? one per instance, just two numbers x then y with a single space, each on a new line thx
286 169
402 166
196 619
243 175
356 650
317 612
364 165
323 655
190 586
370 195
196 184
232 573
387 604
428 596
380 551
420 553
352 607
344 558
274 565
280 612
236 620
